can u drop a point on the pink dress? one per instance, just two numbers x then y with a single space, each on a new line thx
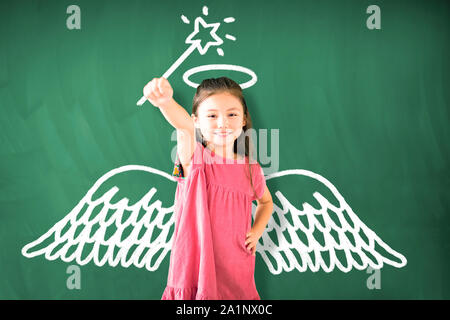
209 259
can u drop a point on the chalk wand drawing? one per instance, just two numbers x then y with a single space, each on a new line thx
84 236
104 231
199 22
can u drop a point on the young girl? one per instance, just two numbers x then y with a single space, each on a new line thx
214 244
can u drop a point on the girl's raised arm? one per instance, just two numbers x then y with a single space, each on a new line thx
160 94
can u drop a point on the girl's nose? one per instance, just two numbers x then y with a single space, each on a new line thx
222 122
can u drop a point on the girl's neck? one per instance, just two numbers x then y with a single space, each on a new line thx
224 152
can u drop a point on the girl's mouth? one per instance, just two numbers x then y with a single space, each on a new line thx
223 134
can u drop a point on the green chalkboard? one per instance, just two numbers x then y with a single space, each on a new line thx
349 98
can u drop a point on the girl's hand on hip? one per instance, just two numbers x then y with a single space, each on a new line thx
158 92
252 238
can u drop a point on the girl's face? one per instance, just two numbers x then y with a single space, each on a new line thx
220 119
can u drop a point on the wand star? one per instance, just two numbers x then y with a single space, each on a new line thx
197 42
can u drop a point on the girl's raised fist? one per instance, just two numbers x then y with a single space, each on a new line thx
158 92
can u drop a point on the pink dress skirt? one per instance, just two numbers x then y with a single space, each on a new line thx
213 205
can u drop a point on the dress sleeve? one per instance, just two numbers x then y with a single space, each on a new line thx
259 181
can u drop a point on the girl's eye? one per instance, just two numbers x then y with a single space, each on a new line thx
231 114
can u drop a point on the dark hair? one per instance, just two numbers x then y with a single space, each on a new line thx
212 86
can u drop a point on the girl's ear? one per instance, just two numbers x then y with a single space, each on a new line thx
194 118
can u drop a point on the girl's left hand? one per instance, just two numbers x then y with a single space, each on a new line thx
252 238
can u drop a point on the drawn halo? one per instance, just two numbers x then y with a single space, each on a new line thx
208 67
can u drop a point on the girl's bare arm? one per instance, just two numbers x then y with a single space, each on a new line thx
177 116
160 94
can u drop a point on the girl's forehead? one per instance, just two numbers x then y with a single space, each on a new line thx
221 102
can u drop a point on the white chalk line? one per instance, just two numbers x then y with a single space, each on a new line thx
278 258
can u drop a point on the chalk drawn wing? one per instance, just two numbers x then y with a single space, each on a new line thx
103 232
323 236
